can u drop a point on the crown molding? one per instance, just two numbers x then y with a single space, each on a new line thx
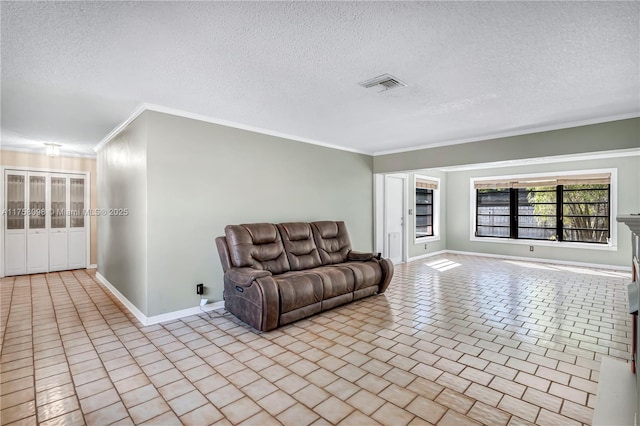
199 117
500 135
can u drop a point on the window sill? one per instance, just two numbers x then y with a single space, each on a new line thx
559 244
423 240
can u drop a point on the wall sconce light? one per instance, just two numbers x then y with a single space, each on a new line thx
53 149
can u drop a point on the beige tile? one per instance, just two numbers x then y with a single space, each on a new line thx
204 415
17 412
187 402
519 408
366 402
569 393
542 399
488 415
455 401
19 397
333 409
358 419
72 418
148 410
390 415
547 418
452 418
261 419
276 402
99 400
57 408
224 396
139 395
577 412
240 410
426 409
297 415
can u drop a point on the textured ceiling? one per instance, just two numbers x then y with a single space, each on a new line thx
71 72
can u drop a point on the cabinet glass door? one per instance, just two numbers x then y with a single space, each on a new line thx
58 202
76 212
37 202
15 201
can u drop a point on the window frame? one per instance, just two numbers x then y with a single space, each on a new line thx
436 210
613 205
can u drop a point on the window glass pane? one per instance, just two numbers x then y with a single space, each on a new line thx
585 210
424 212
493 231
537 207
493 213
15 202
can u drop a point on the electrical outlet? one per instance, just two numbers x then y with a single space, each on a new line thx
530 248
200 289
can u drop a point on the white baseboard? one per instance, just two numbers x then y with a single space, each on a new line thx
542 260
170 316
424 256
93 266
155 319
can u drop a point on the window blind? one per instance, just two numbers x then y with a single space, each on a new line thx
552 180
426 183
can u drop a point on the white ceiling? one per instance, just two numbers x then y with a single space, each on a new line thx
72 72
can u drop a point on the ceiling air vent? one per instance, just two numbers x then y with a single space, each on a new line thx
383 82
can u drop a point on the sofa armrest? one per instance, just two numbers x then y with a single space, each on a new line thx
252 295
245 276
387 274
359 256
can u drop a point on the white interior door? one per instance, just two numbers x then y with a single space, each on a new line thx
59 230
37 235
394 218
15 234
77 229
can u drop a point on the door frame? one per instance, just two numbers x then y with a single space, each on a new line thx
380 213
87 194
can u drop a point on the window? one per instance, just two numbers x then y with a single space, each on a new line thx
426 208
570 208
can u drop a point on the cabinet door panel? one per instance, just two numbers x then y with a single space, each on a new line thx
77 250
58 251
37 255
15 254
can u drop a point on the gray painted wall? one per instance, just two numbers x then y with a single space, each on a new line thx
417 249
622 134
203 176
122 240
458 212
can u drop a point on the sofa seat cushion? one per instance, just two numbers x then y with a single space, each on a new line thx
366 274
298 289
336 280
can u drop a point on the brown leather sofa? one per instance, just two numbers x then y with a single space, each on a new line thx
278 274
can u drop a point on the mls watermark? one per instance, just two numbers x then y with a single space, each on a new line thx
64 212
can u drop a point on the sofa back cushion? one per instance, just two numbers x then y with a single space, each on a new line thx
332 241
299 245
258 246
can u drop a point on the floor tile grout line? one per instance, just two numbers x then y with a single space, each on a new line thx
135 358
48 286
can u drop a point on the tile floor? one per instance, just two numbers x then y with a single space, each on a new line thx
456 340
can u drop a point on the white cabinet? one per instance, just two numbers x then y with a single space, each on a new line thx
45 224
